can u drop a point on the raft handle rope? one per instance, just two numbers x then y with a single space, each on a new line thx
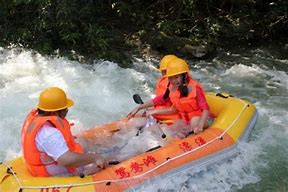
154 148
224 95
81 175
11 171
246 105
108 182
114 162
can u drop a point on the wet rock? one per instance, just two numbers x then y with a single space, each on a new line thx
195 51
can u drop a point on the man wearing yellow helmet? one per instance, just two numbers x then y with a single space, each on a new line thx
186 95
49 148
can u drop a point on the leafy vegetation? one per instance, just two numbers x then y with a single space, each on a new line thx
111 29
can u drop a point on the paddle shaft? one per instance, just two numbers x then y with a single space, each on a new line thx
138 100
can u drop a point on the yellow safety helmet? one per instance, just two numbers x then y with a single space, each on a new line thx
164 61
176 66
54 99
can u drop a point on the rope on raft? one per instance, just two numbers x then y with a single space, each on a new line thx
108 182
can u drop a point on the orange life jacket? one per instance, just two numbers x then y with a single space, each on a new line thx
188 106
32 155
161 87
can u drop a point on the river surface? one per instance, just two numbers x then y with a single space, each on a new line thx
103 93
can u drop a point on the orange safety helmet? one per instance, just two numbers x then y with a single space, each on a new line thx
164 61
54 99
176 66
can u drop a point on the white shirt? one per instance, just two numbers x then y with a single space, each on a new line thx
50 141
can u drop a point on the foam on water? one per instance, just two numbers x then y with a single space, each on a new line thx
103 93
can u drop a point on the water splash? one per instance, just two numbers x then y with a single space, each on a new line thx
103 93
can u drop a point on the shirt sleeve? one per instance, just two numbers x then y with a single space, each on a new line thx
159 100
201 99
51 141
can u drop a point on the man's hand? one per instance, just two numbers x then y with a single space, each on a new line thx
100 162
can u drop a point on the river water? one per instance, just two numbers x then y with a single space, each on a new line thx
103 93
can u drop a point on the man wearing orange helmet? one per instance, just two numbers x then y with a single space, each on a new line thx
49 148
186 95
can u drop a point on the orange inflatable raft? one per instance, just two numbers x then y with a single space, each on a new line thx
234 119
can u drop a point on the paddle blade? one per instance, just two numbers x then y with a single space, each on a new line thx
137 99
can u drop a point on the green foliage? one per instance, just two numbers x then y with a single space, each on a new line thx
104 29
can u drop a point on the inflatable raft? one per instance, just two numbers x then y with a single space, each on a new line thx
234 119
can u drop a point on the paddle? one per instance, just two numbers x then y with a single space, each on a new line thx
137 99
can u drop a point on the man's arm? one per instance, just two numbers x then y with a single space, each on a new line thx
71 159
